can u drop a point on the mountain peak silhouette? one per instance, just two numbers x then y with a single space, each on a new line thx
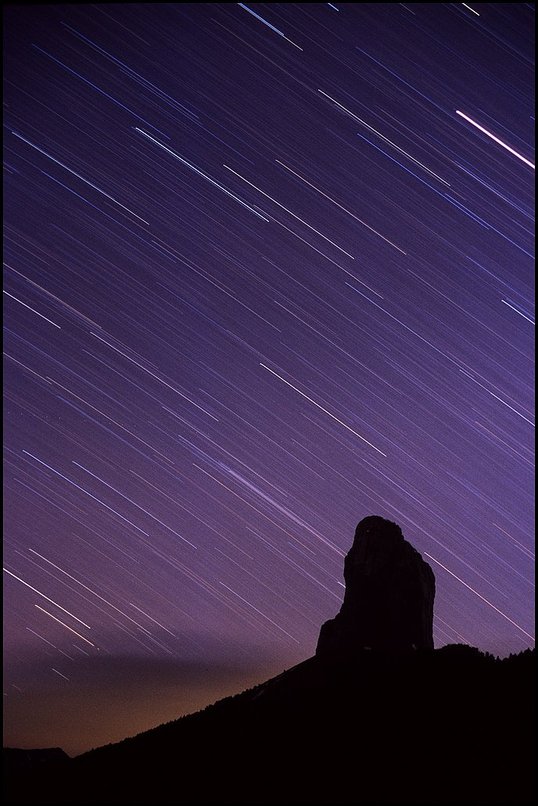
389 596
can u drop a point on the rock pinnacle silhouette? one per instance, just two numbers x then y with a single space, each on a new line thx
390 589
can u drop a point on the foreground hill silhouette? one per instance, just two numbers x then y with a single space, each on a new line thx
377 716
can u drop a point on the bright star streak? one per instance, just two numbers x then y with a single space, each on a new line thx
152 374
31 309
288 211
86 492
519 312
134 504
201 173
94 593
35 590
386 139
80 177
496 139
41 637
59 673
158 623
260 612
497 397
470 9
64 625
341 207
322 409
272 27
480 596
54 297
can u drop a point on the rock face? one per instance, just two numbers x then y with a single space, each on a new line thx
389 596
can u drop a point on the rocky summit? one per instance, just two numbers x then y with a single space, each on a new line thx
390 590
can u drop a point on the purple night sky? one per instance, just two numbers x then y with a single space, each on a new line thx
268 270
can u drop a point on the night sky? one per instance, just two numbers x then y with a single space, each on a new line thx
268 270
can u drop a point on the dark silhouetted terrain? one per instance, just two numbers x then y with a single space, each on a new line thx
400 723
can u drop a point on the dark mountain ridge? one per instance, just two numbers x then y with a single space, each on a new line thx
396 723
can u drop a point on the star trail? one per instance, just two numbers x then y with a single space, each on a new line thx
268 270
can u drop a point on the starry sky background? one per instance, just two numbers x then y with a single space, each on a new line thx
267 271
